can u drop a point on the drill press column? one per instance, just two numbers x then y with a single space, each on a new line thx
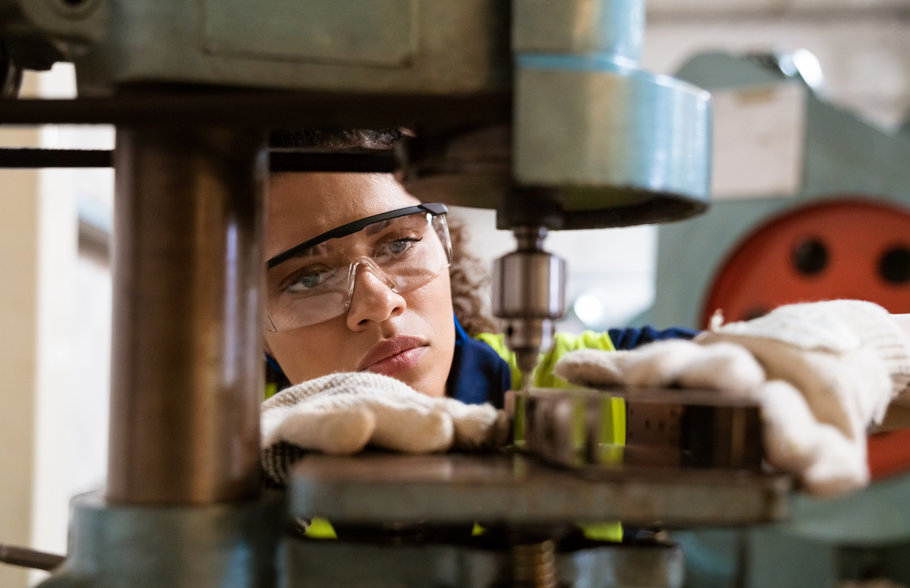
187 356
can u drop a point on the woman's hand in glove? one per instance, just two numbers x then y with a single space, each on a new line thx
342 413
822 372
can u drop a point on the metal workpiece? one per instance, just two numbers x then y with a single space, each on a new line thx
513 489
478 564
663 428
232 545
529 295
187 315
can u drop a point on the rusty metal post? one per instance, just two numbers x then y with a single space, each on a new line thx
186 348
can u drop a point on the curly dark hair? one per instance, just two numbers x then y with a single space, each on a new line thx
470 281
325 139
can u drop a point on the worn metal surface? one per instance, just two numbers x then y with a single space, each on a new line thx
228 545
420 46
474 565
514 489
663 428
186 377
615 27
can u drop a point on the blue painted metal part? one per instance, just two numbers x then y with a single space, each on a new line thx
875 516
824 541
623 145
228 545
600 565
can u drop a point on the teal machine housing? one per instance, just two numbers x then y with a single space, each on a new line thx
825 542
842 155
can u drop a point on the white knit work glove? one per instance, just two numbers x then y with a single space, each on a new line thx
342 413
822 372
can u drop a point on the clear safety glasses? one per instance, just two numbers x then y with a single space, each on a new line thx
314 281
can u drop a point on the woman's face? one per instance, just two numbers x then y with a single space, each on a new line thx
409 336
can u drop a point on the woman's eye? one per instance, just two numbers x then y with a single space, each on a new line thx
306 280
399 246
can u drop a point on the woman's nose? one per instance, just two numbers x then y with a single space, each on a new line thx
372 299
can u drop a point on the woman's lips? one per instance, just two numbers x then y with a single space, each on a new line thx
401 362
393 356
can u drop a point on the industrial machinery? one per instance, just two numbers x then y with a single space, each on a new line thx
535 108
830 221
845 181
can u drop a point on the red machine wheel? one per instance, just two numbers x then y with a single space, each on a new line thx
835 248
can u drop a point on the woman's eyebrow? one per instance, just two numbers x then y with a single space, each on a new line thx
317 249
377 227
